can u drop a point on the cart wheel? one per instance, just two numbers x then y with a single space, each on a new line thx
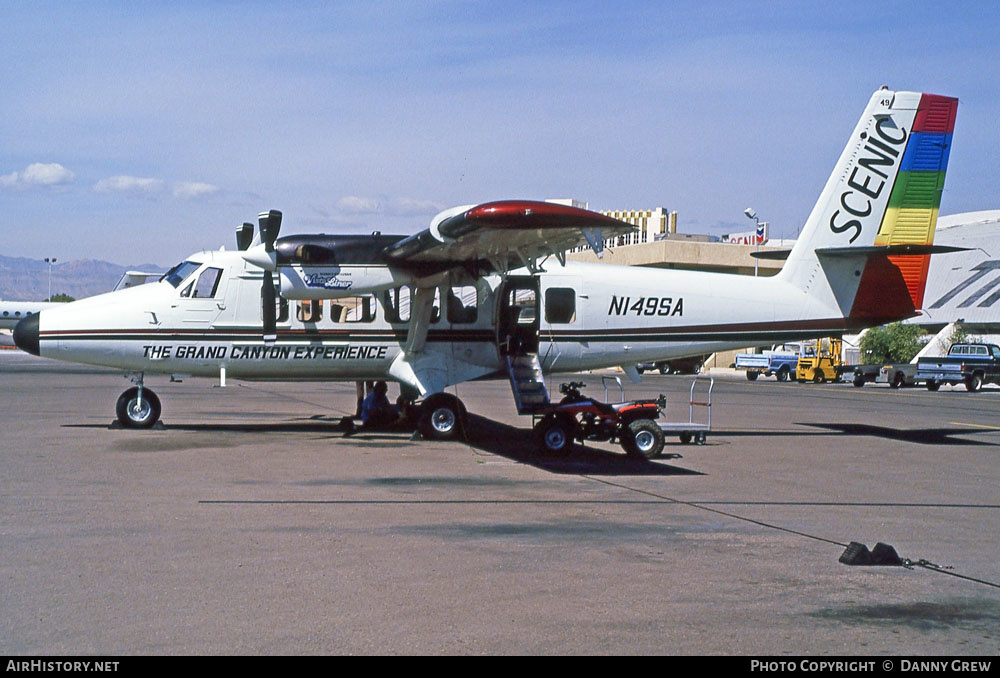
700 439
685 437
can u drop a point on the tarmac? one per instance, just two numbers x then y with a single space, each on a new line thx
249 524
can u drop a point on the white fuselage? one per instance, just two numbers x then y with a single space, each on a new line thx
587 316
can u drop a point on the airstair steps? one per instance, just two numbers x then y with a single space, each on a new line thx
527 382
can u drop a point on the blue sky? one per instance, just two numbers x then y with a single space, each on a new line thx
139 132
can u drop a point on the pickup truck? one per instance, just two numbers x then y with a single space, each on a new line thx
780 362
969 364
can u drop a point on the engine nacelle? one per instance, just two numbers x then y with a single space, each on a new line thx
333 282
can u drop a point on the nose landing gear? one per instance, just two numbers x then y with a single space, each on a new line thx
138 407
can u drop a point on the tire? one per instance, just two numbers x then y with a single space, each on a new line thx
643 439
685 437
932 385
859 381
664 368
441 417
132 414
554 435
818 377
783 374
751 375
973 382
898 380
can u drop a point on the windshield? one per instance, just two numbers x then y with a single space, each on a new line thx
178 273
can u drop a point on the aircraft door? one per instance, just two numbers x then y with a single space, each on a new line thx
203 298
517 316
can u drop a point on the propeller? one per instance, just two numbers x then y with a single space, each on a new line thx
270 225
244 236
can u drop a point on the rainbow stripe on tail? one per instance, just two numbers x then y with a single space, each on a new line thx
912 213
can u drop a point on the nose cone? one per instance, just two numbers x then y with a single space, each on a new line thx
26 334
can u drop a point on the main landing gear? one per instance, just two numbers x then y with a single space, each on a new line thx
138 407
442 417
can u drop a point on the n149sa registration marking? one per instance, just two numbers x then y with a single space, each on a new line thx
646 306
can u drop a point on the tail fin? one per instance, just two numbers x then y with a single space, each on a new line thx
872 229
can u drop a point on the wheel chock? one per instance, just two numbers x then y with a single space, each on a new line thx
857 553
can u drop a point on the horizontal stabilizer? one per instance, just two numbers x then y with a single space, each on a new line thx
778 255
888 250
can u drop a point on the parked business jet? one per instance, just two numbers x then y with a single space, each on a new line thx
486 290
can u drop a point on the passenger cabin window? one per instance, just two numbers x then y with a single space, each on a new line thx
353 309
280 309
462 304
560 305
310 311
397 304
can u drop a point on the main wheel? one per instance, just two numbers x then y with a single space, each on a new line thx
898 380
783 374
973 382
932 385
135 413
554 435
441 417
643 438
859 381
818 377
751 375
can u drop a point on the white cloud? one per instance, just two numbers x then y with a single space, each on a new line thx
408 207
193 189
352 204
38 174
127 184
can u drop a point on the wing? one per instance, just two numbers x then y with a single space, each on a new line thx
507 234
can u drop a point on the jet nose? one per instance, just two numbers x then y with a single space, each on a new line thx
26 334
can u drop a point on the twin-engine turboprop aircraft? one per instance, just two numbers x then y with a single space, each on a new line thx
486 290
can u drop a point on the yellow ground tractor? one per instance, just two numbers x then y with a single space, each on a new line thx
819 360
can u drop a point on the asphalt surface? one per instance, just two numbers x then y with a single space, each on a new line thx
249 524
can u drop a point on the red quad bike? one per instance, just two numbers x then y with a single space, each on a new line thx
579 417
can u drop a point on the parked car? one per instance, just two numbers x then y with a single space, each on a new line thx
690 365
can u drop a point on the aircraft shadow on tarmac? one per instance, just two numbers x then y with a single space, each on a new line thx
516 444
925 436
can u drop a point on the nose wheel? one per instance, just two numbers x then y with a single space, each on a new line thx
138 408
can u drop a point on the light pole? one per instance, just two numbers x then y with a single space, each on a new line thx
50 261
751 214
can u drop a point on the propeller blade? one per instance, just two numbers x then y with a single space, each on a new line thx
244 236
267 302
270 225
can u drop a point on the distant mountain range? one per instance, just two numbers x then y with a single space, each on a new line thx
23 279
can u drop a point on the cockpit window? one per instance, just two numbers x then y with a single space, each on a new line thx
180 272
